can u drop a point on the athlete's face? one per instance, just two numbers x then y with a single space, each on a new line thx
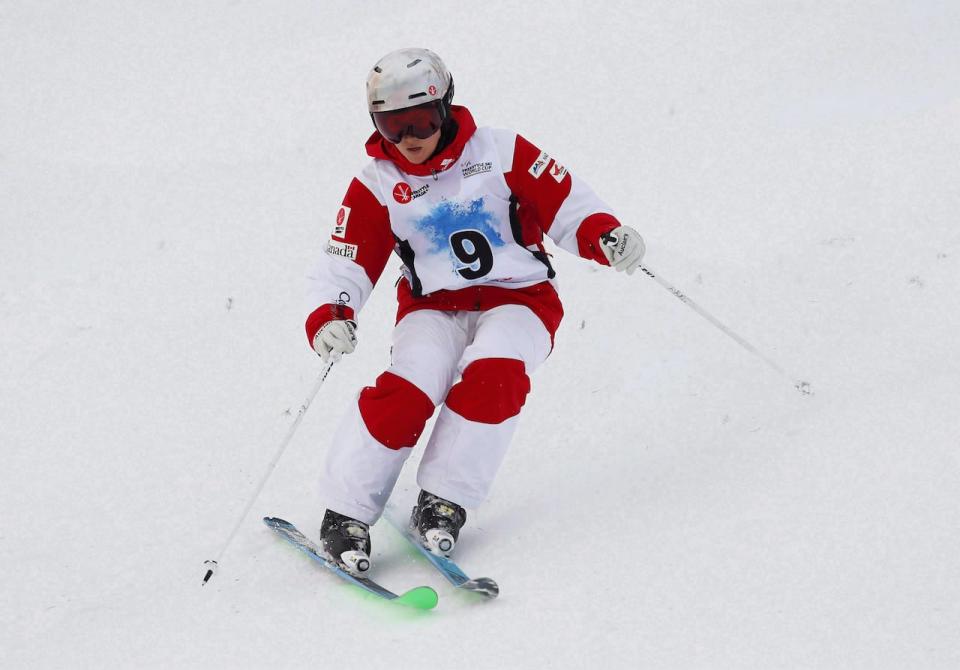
416 150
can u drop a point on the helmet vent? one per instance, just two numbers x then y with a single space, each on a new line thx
376 68
416 95
378 102
409 65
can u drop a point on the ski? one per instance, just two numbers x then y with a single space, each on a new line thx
420 597
448 568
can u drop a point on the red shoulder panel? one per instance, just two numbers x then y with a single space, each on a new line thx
539 182
364 223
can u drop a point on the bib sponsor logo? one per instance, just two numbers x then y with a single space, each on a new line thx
340 230
557 171
403 193
342 249
539 165
471 169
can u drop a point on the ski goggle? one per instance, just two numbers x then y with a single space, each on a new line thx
421 121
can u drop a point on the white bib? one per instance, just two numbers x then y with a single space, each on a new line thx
453 228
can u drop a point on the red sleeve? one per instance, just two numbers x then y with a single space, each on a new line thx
541 186
539 199
364 223
361 234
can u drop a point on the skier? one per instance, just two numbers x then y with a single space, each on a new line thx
466 210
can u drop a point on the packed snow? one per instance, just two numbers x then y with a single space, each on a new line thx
169 171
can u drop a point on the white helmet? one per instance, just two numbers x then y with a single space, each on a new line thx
406 78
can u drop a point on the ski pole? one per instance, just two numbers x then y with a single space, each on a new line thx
800 385
212 564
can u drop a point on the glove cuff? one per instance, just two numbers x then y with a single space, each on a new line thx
323 315
588 236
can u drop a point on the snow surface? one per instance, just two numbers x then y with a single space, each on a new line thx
168 171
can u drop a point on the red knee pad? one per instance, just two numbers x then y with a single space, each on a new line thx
394 411
491 391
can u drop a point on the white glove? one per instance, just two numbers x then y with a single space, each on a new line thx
335 338
623 248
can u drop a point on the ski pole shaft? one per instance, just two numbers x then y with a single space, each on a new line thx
802 386
212 564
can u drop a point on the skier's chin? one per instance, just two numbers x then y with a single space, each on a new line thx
417 150
415 155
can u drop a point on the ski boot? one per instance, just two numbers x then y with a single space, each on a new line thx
437 522
347 542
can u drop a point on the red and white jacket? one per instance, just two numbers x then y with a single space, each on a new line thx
468 225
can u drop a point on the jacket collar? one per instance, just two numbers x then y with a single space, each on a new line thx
377 147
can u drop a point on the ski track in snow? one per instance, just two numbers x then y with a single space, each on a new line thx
167 175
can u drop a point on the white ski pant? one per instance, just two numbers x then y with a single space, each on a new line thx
476 365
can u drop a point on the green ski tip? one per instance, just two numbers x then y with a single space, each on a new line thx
422 598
